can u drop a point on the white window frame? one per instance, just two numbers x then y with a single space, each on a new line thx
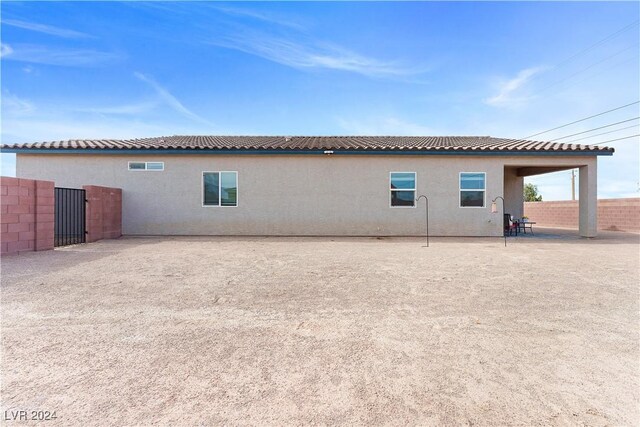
484 192
219 205
414 189
146 169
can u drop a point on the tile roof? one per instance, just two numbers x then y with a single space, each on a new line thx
306 143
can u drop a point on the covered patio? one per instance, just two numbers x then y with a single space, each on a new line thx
516 170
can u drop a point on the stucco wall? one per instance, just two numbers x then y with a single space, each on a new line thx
286 195
513 192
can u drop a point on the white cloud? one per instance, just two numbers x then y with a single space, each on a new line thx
23 122
14 105
124 109
46 29
508 89
5 50
313 55
48 123
58 56
259 15
171 100
59 127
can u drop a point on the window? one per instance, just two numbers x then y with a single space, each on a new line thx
220 189
403 189
472 189
155 166
137 166
146 166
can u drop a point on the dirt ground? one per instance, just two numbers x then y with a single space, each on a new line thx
290 331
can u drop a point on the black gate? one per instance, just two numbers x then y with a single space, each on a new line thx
69 216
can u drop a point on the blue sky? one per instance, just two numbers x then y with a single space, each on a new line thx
125 70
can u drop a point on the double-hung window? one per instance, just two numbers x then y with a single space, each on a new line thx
220 189
402 186
472 189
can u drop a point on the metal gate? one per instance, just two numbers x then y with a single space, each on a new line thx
69 216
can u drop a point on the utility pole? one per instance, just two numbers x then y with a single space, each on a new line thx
573 184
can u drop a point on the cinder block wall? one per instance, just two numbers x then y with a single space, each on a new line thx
104 212
27 215
613 214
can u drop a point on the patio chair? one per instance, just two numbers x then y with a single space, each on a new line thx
509 225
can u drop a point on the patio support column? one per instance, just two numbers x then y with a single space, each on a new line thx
513 192
588 200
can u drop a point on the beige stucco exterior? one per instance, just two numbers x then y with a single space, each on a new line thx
302 194
513 192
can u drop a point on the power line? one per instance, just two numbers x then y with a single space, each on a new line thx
618 139
610 36
633 58
582 120
600 134
588 48
591 130
587 68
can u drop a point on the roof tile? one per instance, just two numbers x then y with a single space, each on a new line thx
302 143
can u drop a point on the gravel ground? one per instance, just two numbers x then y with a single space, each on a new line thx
289 331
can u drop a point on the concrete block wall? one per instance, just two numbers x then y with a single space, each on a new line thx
562 214
104 212
27 215
619 214
613 214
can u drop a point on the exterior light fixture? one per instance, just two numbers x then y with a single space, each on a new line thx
494 207
328 152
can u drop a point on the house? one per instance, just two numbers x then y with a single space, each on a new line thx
306 185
